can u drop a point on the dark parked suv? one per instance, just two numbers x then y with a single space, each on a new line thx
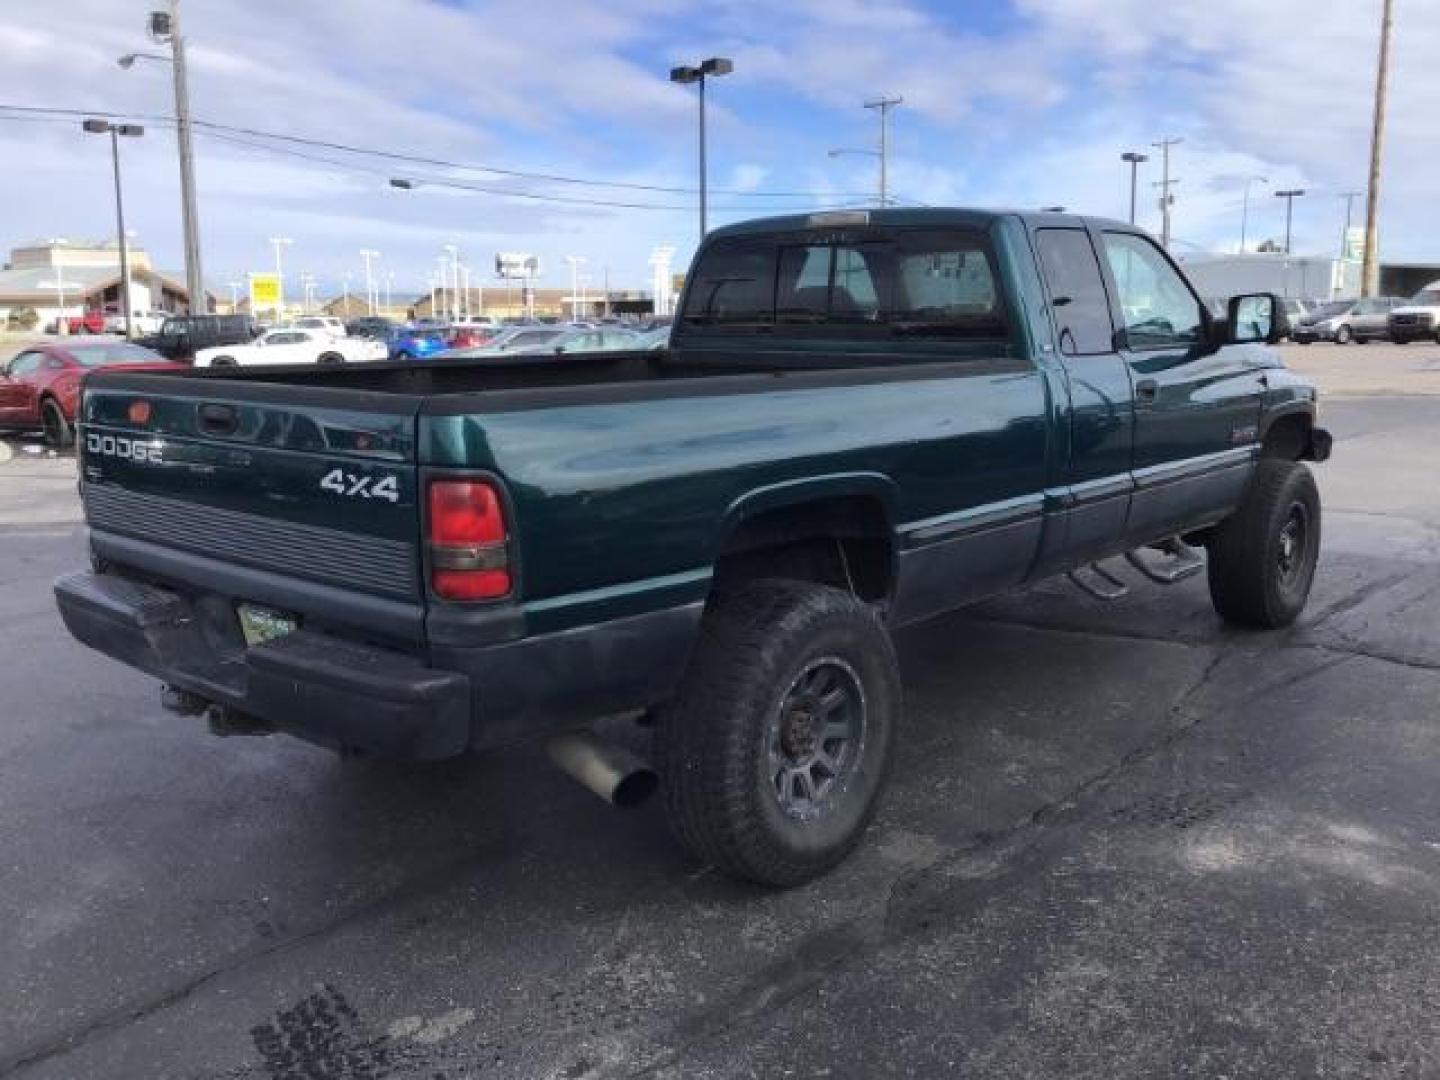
182 336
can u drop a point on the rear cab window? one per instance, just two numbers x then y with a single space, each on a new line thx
908 284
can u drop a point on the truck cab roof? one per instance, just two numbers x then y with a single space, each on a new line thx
936 217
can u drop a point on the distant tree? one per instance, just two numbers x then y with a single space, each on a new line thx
1270 247
22 318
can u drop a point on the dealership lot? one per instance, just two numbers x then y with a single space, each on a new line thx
1123 841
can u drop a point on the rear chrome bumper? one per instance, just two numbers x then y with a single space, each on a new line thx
322 688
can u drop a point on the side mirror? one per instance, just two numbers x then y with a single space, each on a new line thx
1254 318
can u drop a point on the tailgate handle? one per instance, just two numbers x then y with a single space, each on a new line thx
218 419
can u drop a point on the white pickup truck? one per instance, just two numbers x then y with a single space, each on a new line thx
292 346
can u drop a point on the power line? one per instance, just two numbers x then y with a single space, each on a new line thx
415 159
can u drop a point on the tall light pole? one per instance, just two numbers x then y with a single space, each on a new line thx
1245 208
389 284
1370 267
367 254
450 275
1166 199
279 243
130 131
575 262
883 105
1289 196
164 27
1135 159
234 297
684 75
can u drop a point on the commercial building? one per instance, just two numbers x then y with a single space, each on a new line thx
1304 277
56 277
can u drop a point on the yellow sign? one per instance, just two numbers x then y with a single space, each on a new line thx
264 290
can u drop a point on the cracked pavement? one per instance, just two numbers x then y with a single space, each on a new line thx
1122 841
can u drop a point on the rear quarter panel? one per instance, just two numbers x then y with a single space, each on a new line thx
623 505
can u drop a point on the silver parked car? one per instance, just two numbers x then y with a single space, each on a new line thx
1344 321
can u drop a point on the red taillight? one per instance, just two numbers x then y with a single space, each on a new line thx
138 412
469 559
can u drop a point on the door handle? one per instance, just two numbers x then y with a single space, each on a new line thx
1146 390
218 419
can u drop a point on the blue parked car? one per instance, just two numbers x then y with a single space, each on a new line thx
416 343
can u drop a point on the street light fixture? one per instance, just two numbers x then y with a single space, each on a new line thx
164 28
115 131
684 76
1289 196
1135 159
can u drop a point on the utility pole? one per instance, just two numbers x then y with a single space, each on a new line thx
1370 267
165 27
1289 196
1134 159
883 105
1166 199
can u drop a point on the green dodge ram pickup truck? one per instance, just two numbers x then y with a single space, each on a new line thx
864 419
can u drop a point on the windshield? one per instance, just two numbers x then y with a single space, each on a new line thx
1426 298
118 352
1330 310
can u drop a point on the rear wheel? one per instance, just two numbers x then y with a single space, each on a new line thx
775 752
59 432
223 361
331 358
1262 558
1344 336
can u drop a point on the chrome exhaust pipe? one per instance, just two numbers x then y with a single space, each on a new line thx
610 771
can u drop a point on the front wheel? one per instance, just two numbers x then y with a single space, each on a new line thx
330 358
1344 336
59 432
775 752
1262 558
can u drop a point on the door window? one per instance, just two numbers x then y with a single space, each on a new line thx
1160 310
1077 292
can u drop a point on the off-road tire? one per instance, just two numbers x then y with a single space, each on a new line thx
1257 580
715 743
59 432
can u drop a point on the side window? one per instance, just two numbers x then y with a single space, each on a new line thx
25 364
1160 310
734 283
803 288
1077 291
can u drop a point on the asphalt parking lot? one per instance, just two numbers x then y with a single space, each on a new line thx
1123 841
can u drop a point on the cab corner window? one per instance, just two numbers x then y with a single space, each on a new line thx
946 285
734 284
1159 309
1077 292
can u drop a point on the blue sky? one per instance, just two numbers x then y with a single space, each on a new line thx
1007 102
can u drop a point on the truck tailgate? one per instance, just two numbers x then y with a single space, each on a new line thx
311 482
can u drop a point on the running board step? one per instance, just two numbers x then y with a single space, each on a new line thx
1183 561
1117 588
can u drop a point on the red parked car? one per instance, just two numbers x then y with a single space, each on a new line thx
40 387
